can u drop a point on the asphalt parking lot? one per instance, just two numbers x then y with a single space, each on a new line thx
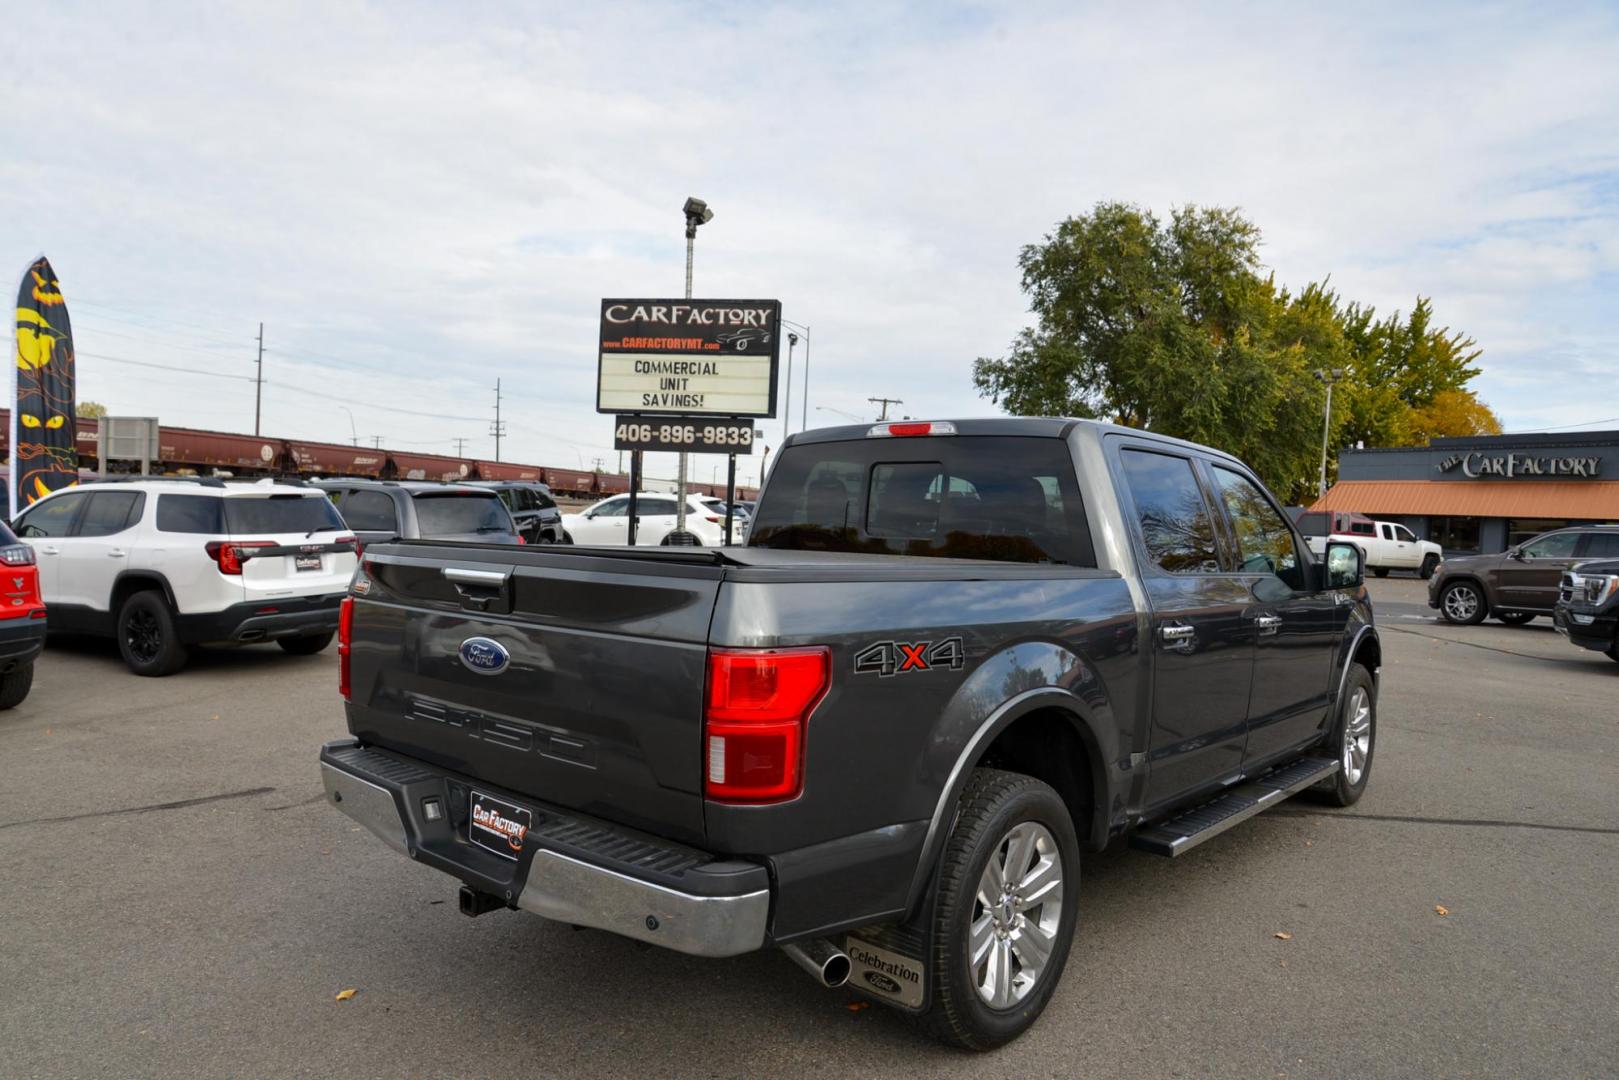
178 901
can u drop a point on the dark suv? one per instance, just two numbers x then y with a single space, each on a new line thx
378 510
532 507
1519 583
1588 606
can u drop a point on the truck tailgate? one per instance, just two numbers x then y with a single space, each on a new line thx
584 692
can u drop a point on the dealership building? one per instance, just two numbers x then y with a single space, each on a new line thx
1483 493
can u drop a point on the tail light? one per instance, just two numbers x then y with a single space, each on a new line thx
17 555
520 539
345 631
758 706
231 554
911 429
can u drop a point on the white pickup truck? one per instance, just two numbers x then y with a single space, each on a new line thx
1388 544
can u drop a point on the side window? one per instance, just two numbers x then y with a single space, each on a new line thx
618 508
1405 534
190 514
1264 542
370 511
111 512
1601 545
655 508
544 501
1175 521
53 517
1362 528
1557 545
1388 531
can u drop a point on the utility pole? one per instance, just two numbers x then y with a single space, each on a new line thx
598 463
460 446
787 410
258 383
497 429
883 403
376 442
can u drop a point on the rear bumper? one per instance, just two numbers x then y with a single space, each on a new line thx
570 868
263 620
20 641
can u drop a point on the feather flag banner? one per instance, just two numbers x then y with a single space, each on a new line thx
44 455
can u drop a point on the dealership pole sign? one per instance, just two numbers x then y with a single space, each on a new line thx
689 358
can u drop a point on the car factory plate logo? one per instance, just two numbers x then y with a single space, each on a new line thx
484 656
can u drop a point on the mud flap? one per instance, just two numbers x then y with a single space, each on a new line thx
889 962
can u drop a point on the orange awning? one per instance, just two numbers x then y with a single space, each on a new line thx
1567 499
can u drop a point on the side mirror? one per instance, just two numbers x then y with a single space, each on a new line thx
1515 553
1346 568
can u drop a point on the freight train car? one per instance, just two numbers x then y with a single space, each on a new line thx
506 470
335 459
426 467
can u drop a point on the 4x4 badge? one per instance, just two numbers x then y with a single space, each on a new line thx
886 658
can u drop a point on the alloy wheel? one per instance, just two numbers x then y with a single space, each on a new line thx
143 636
1357 737
1017 914
1461 602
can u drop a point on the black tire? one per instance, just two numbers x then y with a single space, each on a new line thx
306 644
1341 789
1515 618
1474 614
993 804
147 638
1381 571
1429 565
567 537
15 684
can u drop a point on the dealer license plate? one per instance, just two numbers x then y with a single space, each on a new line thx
498 825
306 562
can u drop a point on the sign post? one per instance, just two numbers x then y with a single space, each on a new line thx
687 376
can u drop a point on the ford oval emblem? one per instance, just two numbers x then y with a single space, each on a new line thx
883 982
483 656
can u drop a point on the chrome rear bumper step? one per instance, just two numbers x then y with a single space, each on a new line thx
1182 833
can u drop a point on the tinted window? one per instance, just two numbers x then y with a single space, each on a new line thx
1264 542
190 514
1313 524
1007 499
111 512
614 508
1175 521
544 501
1403 533
370 511
1602 545
280 514
451 514
507 496
53 517
1559 545
1362 528
655 508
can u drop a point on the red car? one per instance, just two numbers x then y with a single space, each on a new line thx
22 618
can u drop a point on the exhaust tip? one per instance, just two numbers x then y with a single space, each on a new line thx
825 961
835 972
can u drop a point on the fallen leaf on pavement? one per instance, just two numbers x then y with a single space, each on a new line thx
1282 935
344 995
856 1006
1441 909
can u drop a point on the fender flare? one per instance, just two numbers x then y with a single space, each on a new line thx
151 576
1366 630
1044 698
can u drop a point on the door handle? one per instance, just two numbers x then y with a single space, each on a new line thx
50 551
1268 624
117 553
489 579
1176 635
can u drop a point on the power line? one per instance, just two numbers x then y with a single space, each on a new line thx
1560 427
165 367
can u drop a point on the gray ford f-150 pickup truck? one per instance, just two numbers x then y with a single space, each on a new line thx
952 657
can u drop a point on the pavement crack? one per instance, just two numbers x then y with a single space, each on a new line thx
1475 823
1486 648
178 804
319 796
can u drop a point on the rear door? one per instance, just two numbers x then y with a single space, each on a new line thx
298 543
1202 636
1296 629
596 702
1528 580
654 519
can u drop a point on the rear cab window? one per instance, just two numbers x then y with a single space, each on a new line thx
1003 498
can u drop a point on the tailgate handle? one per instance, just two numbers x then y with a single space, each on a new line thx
489 579
481 590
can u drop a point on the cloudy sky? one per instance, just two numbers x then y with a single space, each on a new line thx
418 199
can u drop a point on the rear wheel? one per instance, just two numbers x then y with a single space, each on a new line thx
147 638
306 645
1007 900
1462 603
1429 565
1515 618
1353 739
15 684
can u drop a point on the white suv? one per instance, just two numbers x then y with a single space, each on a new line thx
165 564
608 521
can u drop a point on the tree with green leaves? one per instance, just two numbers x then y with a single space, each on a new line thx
1174 327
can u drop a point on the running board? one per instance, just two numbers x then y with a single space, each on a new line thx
1184 832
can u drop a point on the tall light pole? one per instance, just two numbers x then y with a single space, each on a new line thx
697 213
1329 377
354 433
804 332
787 411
